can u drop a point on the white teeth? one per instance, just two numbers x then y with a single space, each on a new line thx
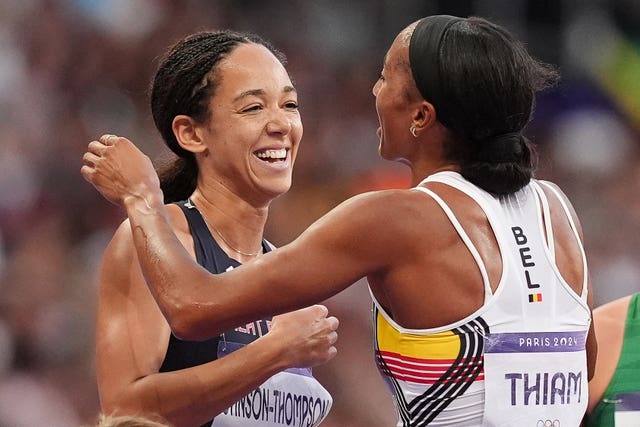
273 154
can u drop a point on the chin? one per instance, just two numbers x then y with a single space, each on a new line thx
278 189
383 154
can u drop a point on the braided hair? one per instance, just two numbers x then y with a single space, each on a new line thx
184 83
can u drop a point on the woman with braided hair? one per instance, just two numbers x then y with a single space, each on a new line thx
478 274
225 105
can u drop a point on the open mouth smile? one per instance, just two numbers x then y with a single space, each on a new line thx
272 156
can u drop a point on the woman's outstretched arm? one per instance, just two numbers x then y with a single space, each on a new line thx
332 254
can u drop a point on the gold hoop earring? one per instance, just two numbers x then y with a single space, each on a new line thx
412 129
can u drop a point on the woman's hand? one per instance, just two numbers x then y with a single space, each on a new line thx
120 171
308 336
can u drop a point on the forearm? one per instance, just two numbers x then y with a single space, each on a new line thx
171 274
192 396
199 305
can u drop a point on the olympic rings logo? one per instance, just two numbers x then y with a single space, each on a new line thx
548 423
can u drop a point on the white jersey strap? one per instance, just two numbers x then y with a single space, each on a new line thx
546 219
465 238
575 233
487 203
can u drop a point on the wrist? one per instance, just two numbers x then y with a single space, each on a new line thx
273 352
145 203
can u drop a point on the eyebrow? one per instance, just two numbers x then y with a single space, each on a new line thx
260 92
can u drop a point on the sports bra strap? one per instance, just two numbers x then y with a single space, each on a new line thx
546 219
487 203
465 238
574 228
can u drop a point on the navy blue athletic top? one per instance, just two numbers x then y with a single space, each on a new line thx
291 397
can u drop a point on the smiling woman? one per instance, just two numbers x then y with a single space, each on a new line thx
226 125
478 274
225 105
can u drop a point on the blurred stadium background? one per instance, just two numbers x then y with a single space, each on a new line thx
71 70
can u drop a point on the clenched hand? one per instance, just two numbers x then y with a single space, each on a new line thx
307 335
119 170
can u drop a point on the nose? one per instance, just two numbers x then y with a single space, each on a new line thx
376 88
279 123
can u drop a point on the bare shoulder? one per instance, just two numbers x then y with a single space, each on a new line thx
120 255
395 207
612 313
177 218
553 185
609 324
548 188
385 222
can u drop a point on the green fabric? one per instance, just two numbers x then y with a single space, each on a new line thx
626 378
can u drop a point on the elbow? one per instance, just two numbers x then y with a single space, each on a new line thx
142 397
132 407
186 330
190 322
121 405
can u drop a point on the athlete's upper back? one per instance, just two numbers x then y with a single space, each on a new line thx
521 356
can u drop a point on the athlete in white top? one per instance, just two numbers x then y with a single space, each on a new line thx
487 366
454 96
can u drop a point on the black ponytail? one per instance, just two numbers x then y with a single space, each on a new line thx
502 164
483 90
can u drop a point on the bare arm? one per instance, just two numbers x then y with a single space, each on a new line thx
609 321
324 260
332 254
132 338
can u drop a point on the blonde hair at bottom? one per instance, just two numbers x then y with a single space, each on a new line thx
105 420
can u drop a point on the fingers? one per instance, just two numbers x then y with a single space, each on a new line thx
309 334
87 173
331 350
95 151
333 322
108 139
90 158
330 334
332 337
96 147
321 310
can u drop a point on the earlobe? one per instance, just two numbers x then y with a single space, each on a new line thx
187 134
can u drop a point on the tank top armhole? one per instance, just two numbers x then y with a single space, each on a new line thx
574 229
465 238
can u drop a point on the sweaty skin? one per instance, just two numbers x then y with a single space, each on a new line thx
401 241
253 114
359 238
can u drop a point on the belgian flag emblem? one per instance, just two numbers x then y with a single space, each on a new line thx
535 297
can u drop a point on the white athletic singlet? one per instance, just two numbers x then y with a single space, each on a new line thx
520 360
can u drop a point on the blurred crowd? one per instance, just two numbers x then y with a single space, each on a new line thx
71 70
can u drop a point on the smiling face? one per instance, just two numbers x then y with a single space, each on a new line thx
396 98
254 127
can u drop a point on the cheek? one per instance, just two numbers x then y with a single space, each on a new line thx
296 130
385 106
